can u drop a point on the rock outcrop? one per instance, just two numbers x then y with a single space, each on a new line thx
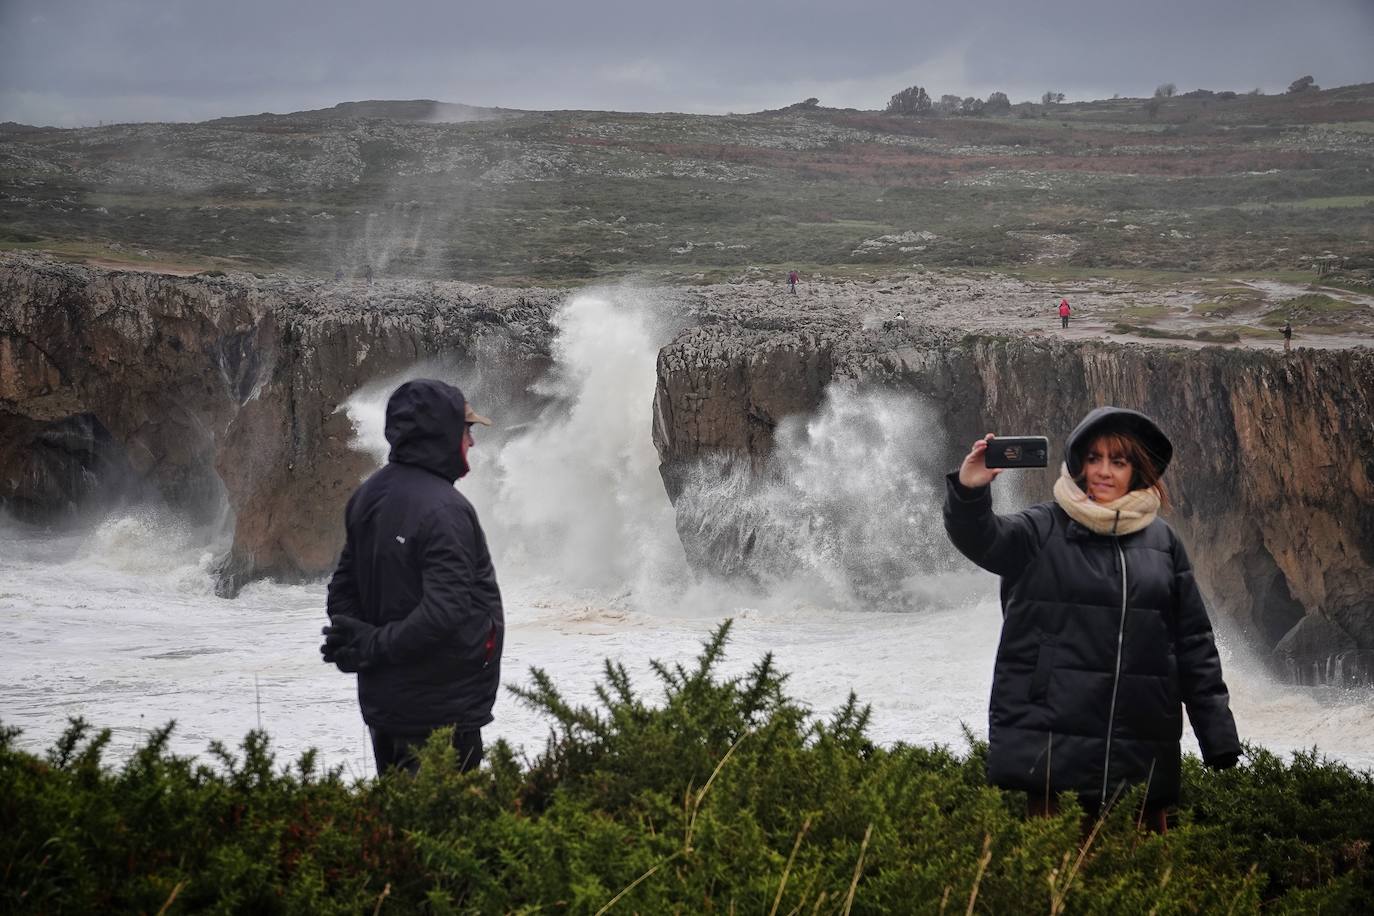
119 381
206 390
1273 477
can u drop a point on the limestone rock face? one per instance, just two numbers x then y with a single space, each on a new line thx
115 380
1272 479
197 391
1317 651
208 392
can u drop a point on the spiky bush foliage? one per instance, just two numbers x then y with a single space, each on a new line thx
721 795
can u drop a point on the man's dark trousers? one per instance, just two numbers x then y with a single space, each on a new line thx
402 751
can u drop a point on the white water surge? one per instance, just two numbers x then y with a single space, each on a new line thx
119 623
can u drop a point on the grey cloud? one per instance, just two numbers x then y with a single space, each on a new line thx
75 59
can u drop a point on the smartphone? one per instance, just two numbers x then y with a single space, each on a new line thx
1017 452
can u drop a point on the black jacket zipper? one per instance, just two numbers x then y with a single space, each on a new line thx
1116 679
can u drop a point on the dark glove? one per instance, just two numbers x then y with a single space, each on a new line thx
350 644
1222 761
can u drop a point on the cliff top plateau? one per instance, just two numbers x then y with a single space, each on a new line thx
1276 187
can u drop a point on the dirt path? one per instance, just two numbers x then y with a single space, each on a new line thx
1102 309
1275 289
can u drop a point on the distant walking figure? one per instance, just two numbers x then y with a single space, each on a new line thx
792 282
1287 336
1064 312
367 273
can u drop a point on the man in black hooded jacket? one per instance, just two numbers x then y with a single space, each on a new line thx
414 607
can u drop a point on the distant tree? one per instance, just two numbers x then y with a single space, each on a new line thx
971 106
997 103
1226 95
1166 91
948 104
1152 106
1302 84
1051 98
812 102
1257 91
911 100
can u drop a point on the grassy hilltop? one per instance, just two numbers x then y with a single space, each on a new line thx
1195 184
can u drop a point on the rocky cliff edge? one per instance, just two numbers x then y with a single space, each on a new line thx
1273 478
208 391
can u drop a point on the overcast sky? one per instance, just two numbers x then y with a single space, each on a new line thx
78 62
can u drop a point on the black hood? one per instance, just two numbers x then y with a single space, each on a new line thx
1117 420
424 424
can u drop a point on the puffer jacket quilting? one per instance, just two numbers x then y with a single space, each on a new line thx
1061 717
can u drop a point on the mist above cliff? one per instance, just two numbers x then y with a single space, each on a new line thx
847 510
566 481
572 496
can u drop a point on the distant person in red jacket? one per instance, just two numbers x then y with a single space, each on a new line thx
792 282
1064 311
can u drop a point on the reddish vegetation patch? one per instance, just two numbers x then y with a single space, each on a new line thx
1317 107
895 165
1192 164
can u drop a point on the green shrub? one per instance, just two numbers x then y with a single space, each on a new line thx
1312 308
722 795
1143 330
1218 336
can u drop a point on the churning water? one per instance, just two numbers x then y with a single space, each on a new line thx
851 585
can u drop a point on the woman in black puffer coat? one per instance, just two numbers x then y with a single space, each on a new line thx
1104 633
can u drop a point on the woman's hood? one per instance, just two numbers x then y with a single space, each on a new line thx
424 424
1112 420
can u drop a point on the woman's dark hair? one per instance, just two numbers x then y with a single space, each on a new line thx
1144 472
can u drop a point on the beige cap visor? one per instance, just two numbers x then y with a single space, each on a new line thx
472 416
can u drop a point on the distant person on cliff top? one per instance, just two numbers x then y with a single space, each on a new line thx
338 273
792 282
367 273
1104 631
413 606
1064 312
1287 336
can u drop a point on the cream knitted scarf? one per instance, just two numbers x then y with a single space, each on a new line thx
1126 515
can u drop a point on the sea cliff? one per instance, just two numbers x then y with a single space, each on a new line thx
214 392
1272 480
202 392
